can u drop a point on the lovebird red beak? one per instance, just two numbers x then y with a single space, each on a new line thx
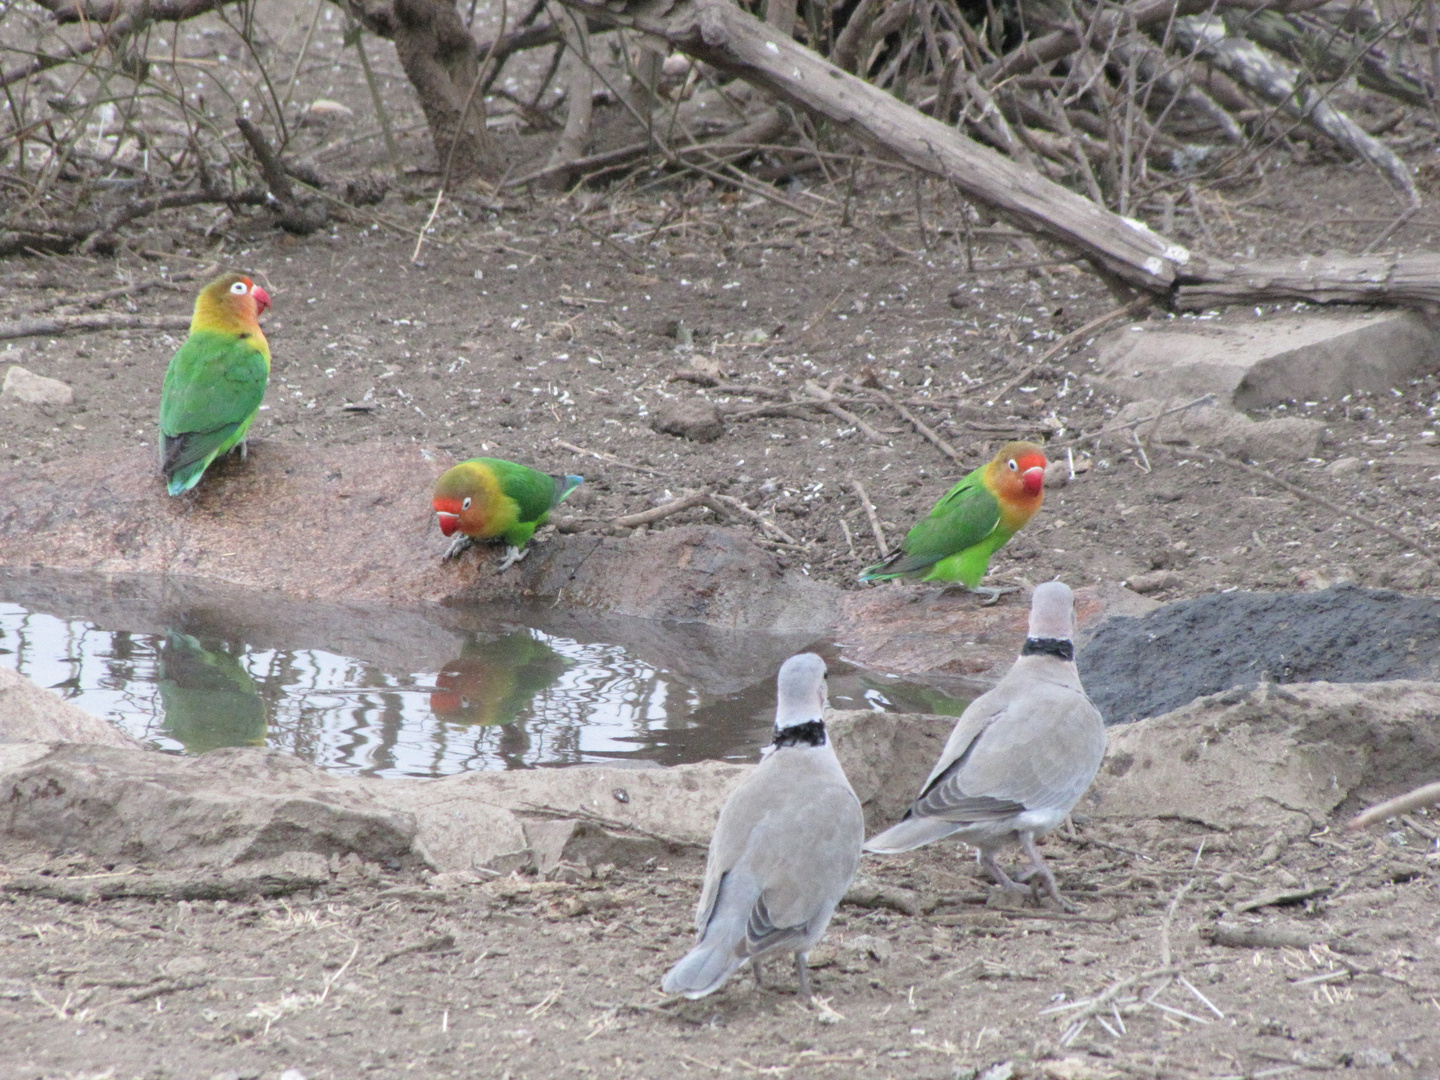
1033 478
448 522
262 299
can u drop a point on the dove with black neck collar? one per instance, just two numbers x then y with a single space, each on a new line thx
1019 758
785 848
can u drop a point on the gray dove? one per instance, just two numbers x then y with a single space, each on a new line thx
1019 757
784 851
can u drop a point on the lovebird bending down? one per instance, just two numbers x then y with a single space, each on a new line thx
972 522
215 381
490 498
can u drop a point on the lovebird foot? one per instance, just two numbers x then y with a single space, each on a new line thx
512 556
458 547
992 593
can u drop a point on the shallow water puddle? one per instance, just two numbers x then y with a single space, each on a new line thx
365 691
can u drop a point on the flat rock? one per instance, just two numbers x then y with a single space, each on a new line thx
1286 438
237 807
1272 757
31 714
692 574
22 384
1267 361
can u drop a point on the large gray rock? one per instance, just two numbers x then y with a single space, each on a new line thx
236 806
1273 756
481 819
30 714
1265 362
226 807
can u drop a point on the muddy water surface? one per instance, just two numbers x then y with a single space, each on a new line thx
423 692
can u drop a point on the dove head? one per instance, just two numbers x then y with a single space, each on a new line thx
1052 612
801 691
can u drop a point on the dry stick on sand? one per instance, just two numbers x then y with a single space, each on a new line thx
71 305
728 503
1255 470
918 424
648 517
60 324
600 455
874 518
723 505
826 401
1124 311
1412 800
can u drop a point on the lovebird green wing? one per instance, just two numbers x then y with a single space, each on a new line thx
534 492
963 518
213 389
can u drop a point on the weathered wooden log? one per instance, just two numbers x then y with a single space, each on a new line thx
720 34
1281 86
1406 280
1314 44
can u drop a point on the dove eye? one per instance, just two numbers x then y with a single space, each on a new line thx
466 504
239 288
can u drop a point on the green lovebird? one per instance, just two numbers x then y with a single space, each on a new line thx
490 498
972 522
215 381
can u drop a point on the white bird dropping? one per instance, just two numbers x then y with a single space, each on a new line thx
1019 757
784 851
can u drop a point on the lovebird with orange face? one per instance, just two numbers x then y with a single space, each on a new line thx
215 382
972 522
493 499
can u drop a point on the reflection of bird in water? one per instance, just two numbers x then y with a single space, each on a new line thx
492 681
209 699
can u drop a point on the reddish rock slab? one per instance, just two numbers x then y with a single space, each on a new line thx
351 524
355 525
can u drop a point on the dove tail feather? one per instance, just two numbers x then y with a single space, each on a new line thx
723 947
910 834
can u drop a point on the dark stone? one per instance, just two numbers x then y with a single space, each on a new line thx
1138 667
698 421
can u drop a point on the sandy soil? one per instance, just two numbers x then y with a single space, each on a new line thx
388 976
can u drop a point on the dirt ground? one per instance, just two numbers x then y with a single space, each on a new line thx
521 331
531 322
393 976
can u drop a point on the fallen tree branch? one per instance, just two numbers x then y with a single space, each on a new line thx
1411 280
1412 800
728 503
116 19
880 542
95 235
826 401
296 216
721 34
1283 87
919 425
63 324
649 517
